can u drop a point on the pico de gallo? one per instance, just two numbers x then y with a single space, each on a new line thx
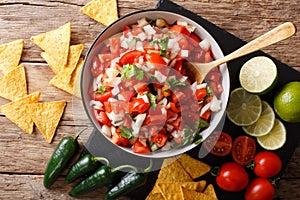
141 94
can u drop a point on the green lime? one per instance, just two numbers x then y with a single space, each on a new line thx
243 108
287 102
258 75
275 139
264 124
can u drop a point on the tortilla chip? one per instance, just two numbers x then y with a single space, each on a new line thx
194 167
55 43
210 191
103 11
13 85
193 195
154 196
17 113
10 55
73 58
173 172
170 190
46 116
73 86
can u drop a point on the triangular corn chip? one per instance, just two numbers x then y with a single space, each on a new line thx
194 167
210 191
46 116
10 55
155 196
73 58
17 113
173 172
13 85
193 195
55 43
72 86
103 11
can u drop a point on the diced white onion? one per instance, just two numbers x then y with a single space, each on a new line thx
112 100
111 72
163 111
116 119
205 108
190 28
136 126
170 127
184 53
182 23
159 76
183 78
142 22
215 104
96 104
144 97
149 29
201 86
124 44
205 45
106 130
194 87
121 97
142 36
115 91
172 42
167 146
163 102
139 46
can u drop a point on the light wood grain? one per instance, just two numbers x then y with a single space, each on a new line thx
23 157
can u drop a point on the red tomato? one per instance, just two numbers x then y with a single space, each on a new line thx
131 57
101 117
201 94
243 149
157 117
180 29
205 116
103 97
141 87
232 177
178 65
138 147
106 57
138 105
115 46
260 189
155 58
119 140
96 68
218 143
195 38
208 57
107 106
159 138
183 43
267 164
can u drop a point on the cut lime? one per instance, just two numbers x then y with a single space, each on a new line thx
243 108
275 139
258 75
264 123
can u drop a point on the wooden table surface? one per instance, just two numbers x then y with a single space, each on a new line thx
23 157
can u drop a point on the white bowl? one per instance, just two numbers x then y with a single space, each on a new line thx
170 17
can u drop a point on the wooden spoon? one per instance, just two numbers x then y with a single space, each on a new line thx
199 70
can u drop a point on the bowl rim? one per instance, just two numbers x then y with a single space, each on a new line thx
155 154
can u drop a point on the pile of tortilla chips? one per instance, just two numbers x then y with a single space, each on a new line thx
175 180
64 59
24 109
103 11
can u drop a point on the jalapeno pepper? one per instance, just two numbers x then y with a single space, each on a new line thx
131 181
60 158
103 177
84 166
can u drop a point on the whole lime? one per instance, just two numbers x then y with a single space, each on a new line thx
287 102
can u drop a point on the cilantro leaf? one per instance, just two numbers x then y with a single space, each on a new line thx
126 132
101 89
130 71
152 99
175 83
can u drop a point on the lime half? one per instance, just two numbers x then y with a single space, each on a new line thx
258 75
244 108
264 123
275 139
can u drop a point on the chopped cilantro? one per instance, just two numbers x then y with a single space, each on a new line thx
202 123
129 71
175 83
126 132
152 99
163 46
101 89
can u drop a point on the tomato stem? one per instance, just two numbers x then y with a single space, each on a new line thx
215 171
251 165
274 181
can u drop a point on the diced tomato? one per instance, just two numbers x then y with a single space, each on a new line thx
206 115
127 121
96 68
155 58
101 117
107 106
174 108
207 57
183 43
119 140
136 30
166 90
195 38
106 57
126 30
178 65
127 94
131 57
176 123
159 138
138 147
217 88
141 87
115 46
138 105
157 117
201 94
103 97
119 106
180 29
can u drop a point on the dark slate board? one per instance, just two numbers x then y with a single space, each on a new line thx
228 43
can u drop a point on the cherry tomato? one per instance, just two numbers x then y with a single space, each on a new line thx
267 164
131 57
243 149
218 143
260 189
138 147
119 140
159 138
232 177
103 97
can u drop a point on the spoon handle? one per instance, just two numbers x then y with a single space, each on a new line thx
277 34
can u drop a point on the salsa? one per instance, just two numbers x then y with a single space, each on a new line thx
141 94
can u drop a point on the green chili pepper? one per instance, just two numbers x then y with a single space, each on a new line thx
85 165
103 177
131 181
60 158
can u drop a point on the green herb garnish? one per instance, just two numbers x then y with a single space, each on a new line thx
126 132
